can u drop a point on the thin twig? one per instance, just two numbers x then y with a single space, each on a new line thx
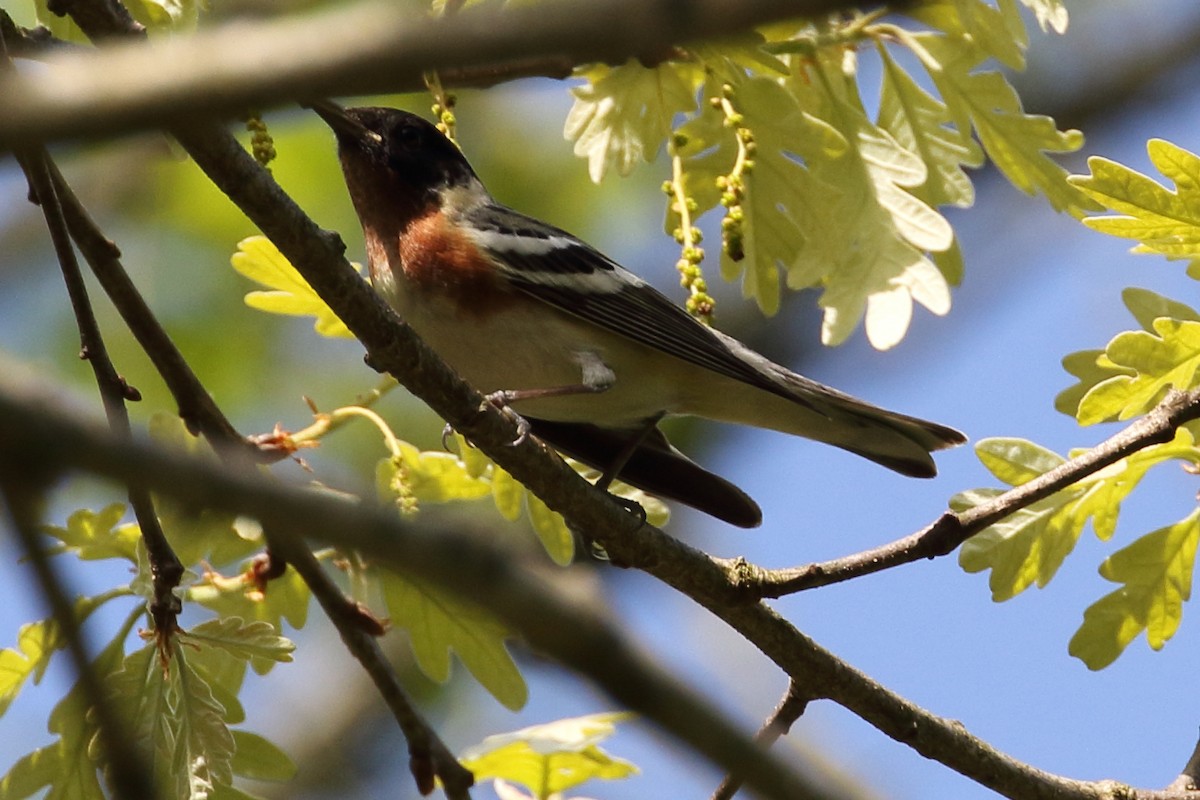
478 568
165 567
196 407
428 754
128 775
950 530
1189 777
790 707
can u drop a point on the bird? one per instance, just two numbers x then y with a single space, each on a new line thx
588 354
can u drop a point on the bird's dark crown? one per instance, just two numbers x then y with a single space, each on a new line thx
412 150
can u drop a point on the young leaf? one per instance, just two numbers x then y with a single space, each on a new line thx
887 229
921 124
94 535
1018 143
1160 360
623 114
259 759
787 216
438 623
1030 545
1093 367
66 768
249 641
259 260
551 758
286 598
1156 573
1051 14
1159 219
36 643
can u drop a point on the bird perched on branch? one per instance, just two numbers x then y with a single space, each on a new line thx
590 355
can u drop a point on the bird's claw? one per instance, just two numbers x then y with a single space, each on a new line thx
501 400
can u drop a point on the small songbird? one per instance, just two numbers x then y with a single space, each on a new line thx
589 354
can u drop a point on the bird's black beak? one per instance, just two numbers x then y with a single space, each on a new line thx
345 125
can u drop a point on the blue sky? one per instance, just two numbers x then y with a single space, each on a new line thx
1037 287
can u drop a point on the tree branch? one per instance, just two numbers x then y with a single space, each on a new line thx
165 566
778 724
22 493
477 566
366 48
392 346
950 530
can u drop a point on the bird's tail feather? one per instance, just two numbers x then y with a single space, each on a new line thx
655 467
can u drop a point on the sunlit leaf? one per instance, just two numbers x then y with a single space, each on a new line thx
439 623
1156 573
623 114
551 758
259 260
1017 143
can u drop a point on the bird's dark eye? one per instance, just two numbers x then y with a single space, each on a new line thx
408 137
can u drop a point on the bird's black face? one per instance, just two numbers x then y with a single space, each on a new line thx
401 146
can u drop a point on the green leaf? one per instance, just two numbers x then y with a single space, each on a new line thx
250 641
1160 360
550 759
1016 142
623 114
1016 461
1156 573
1051 14
36 643
787 216
921 124
995 31
175 721
888 230
438 623
94 535
1030 545
1147 306
552 530
1093 367
286 598
259 759
1159 219
65 767
260 261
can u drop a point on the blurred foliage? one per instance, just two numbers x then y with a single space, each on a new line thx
819 187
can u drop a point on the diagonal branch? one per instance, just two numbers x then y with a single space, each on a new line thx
778 724
473 565
950 530
558 621
165 566
128 775
366 48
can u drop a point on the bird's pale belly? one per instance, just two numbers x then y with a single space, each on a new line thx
507 349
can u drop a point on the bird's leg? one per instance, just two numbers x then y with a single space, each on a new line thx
622 458
596 377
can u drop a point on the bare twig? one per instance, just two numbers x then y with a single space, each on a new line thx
1189 778
475 566
950 530
366 48
196 406
165 567
428 754
778 724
